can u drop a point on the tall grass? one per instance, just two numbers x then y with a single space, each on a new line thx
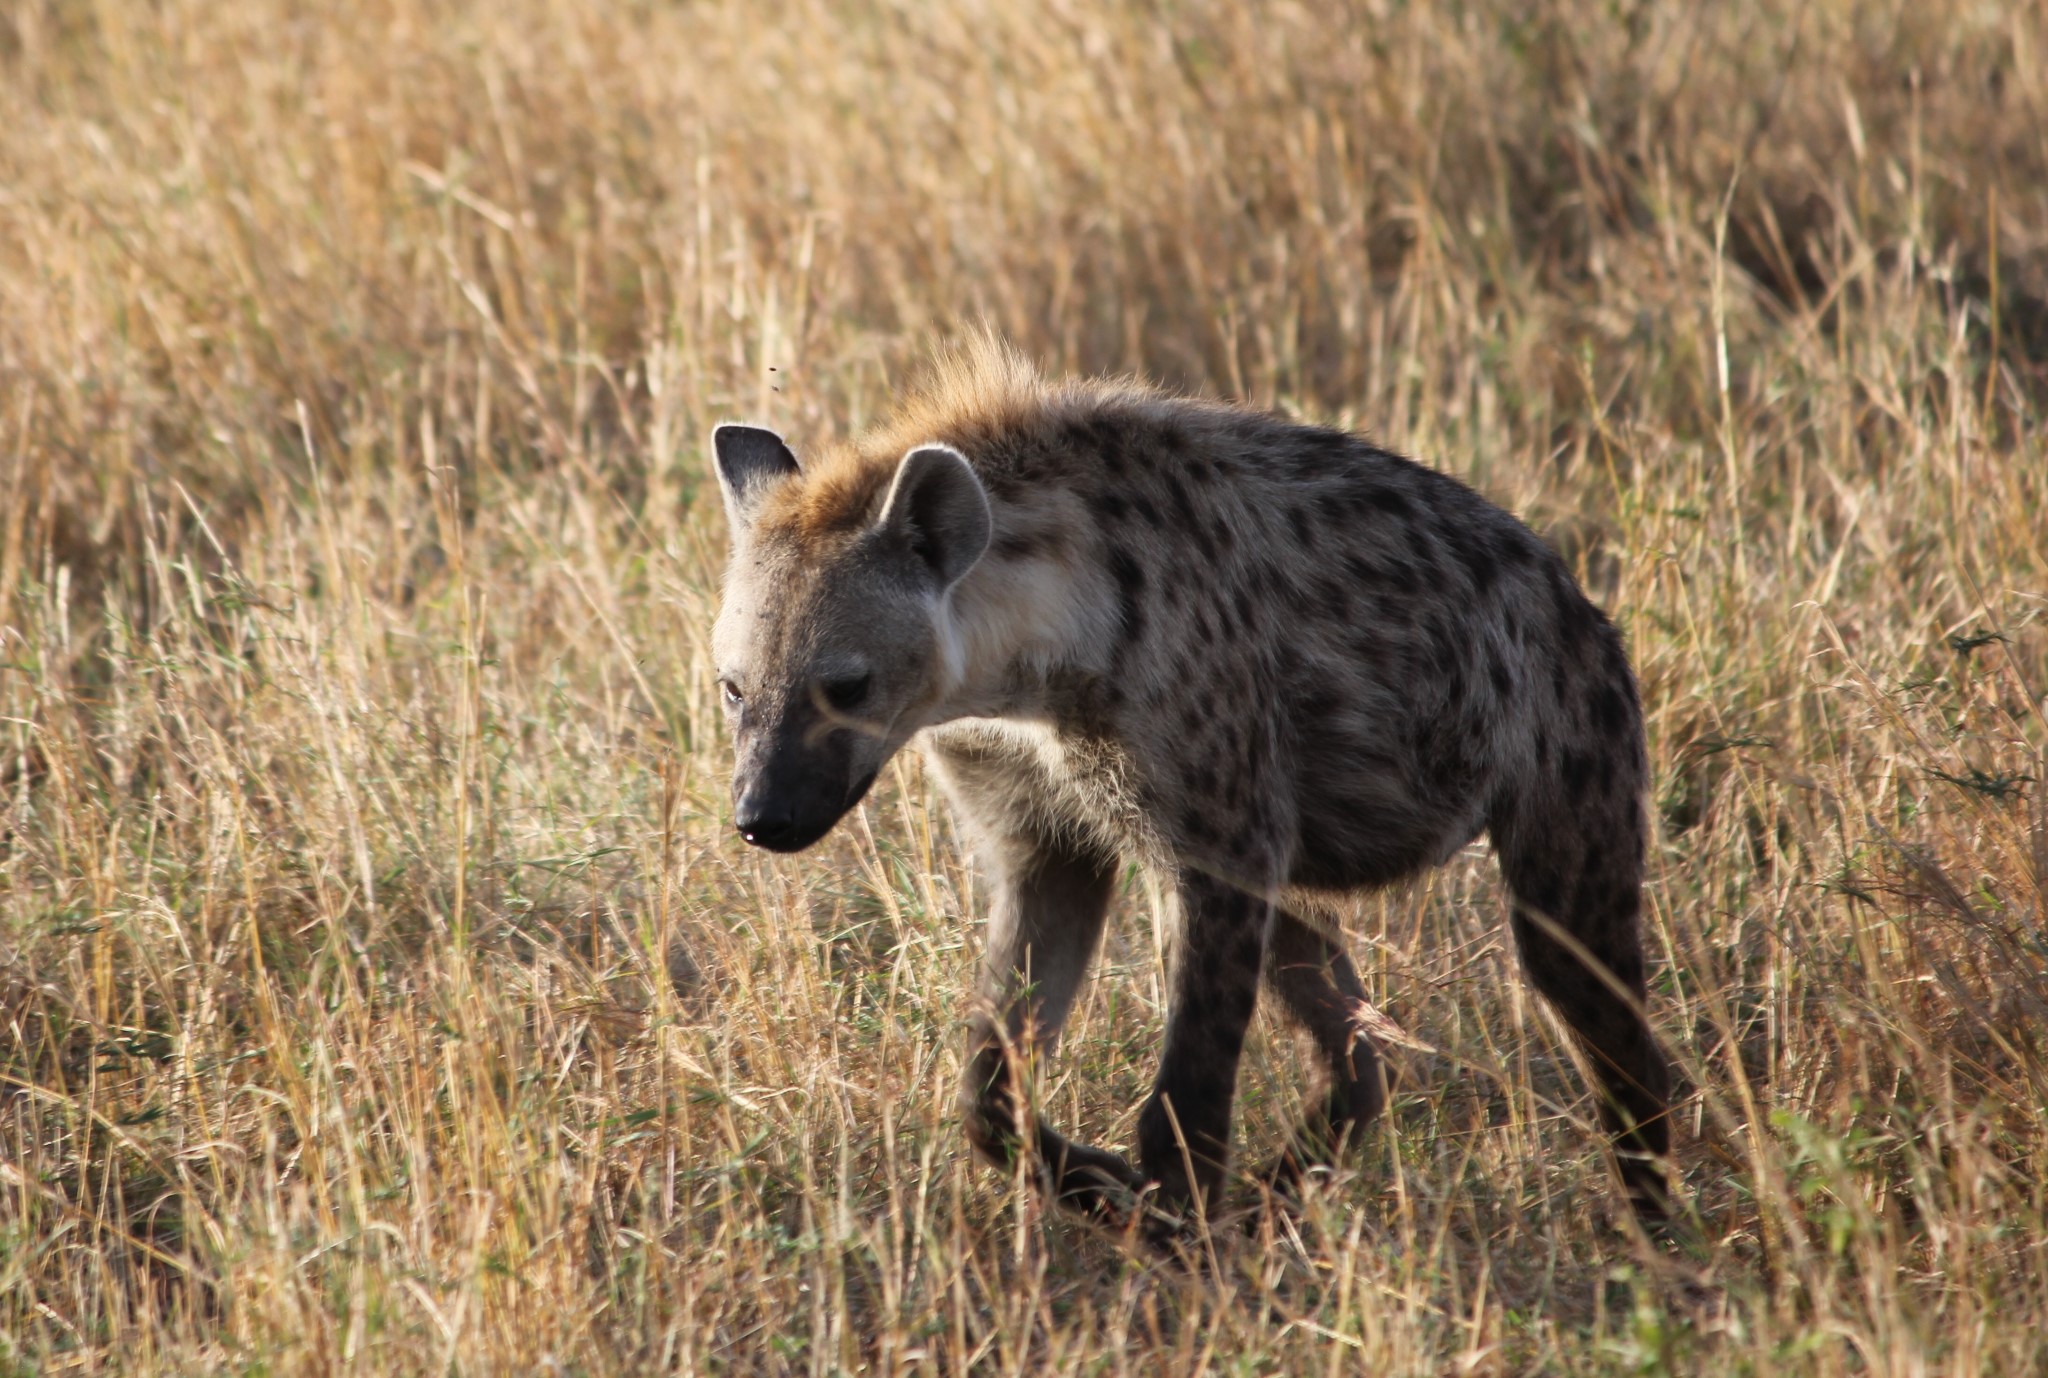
380 986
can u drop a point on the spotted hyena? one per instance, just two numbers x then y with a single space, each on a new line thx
1271 661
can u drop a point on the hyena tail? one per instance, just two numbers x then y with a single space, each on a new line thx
1571 850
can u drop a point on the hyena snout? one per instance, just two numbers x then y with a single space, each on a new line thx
788 799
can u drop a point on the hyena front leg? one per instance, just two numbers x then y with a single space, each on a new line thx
1043 930
1314 978
1184 1127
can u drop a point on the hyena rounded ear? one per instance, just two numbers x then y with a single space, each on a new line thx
751 461
939 506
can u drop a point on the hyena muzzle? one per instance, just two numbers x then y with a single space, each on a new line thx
1271 661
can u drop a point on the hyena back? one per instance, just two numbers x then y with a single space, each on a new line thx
1269 660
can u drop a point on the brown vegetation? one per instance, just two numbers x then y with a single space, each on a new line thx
380 986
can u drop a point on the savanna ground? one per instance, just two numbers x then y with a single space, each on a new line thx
381 988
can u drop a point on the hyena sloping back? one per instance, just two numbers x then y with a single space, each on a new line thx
1270 660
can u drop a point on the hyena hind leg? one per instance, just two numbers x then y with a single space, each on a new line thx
1577 889
1320 989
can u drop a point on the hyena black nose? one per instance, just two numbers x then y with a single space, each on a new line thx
765 823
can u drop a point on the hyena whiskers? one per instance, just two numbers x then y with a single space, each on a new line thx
1270 661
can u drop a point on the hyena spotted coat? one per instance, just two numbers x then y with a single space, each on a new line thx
1271 661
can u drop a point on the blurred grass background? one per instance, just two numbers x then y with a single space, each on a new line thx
380 986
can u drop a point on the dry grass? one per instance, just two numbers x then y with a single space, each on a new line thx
380 988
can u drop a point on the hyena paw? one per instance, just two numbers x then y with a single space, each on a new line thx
1093 1181
1313 1154
1287 1177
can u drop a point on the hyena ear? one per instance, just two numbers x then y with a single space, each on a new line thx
940 507
751 461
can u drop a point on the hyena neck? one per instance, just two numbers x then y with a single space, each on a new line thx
1010 628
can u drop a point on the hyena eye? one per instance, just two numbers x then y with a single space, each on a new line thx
731 692
845 695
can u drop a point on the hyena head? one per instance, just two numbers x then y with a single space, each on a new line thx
834 643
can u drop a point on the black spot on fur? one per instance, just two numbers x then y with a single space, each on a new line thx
1616 660
1578 775
1333 600
1590 896
1109 443
1323 453
1130 590
1503 682
1593 859
1111 507
1428 563
1609 712
1577 620
1476 555
1389 501
1442 634
1316 702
